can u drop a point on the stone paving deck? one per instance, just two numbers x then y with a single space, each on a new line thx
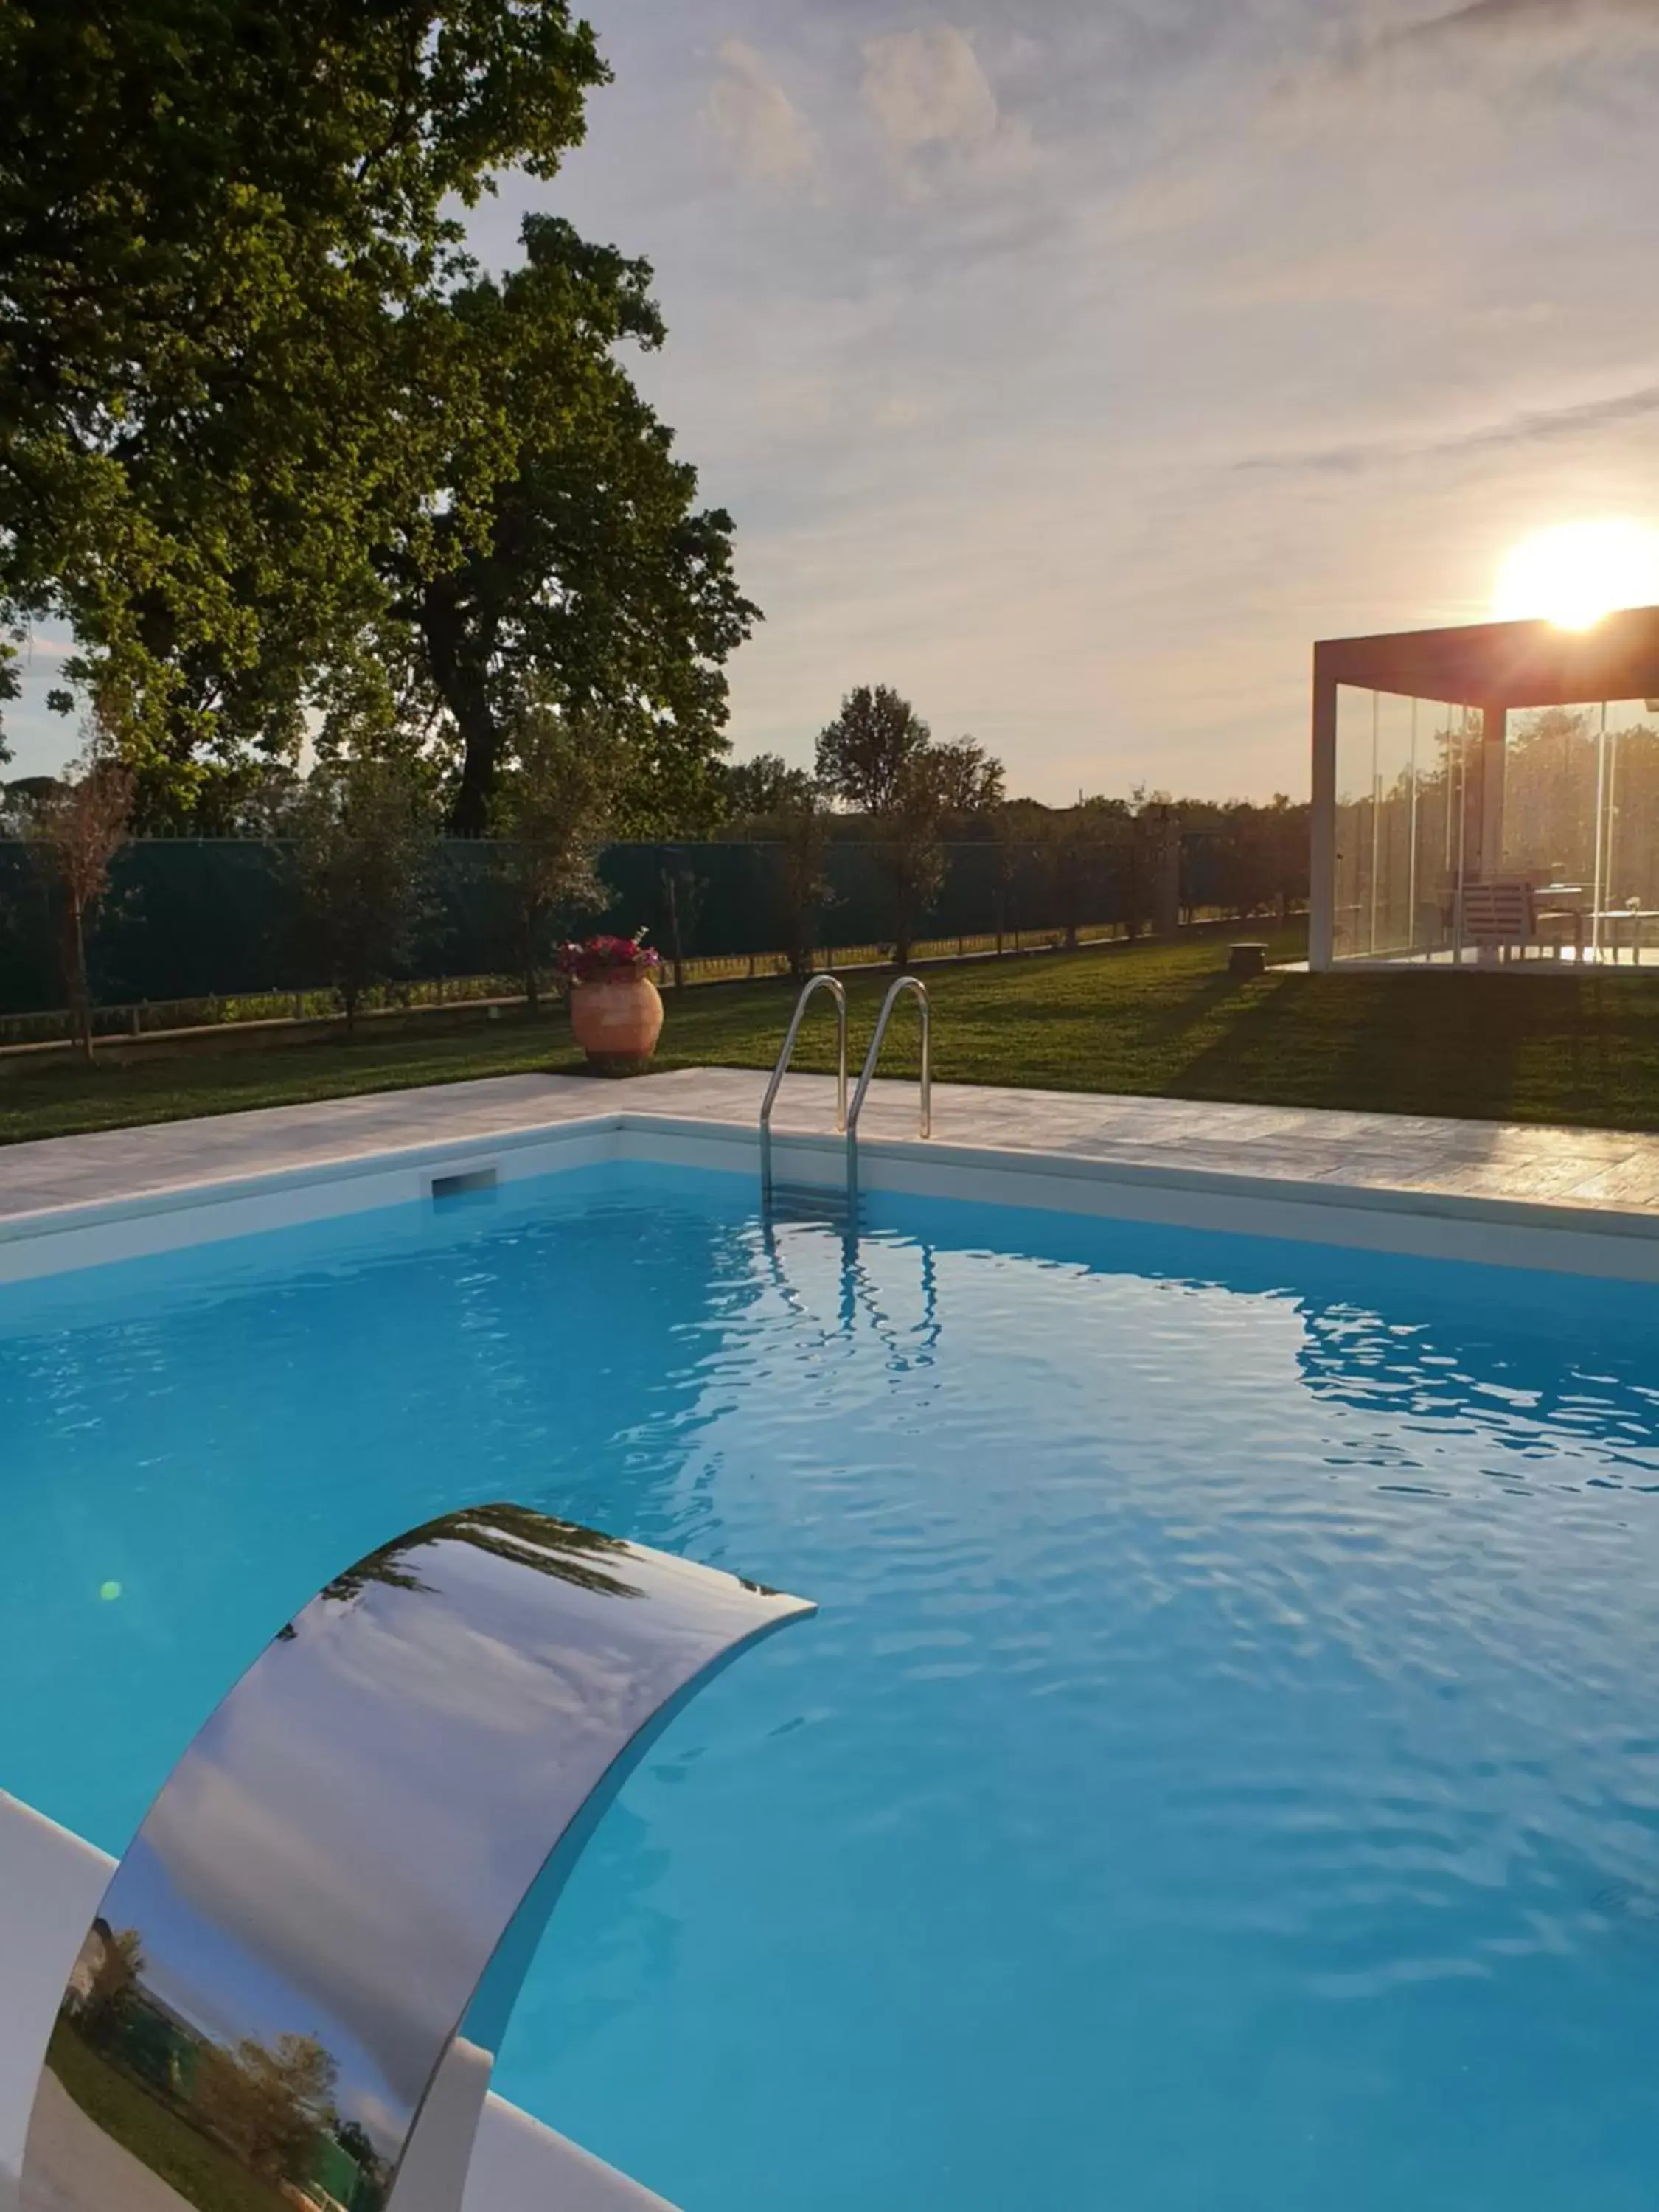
1597 1168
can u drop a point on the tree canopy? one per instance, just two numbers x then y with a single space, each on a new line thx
271 442
551 811
589 572
361 833
763 788
862 754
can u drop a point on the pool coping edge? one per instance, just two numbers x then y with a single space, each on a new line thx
1553 1235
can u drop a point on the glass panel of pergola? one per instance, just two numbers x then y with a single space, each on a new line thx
1572 802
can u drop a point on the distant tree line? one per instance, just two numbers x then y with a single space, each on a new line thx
881 775
360 834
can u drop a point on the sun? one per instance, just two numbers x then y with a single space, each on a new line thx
1579 571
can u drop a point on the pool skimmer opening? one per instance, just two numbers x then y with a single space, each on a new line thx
465 1182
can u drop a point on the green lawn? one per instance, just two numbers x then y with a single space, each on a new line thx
1538 1048
201 2171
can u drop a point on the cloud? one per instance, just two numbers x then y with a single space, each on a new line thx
1533 426
927 88
758 129
1505 18
1073 453
1553 43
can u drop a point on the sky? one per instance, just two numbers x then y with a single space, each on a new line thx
1071 365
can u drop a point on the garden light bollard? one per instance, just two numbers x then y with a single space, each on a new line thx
335 1897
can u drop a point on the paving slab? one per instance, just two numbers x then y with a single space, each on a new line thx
1614 1170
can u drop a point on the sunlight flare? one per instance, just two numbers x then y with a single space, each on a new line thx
1575 573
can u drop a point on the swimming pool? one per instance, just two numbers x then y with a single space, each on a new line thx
1225 1768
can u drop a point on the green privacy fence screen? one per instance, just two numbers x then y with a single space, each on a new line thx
203 918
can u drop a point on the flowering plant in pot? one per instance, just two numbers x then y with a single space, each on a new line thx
615 1009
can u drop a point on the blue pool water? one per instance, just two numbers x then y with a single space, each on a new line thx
1225 1768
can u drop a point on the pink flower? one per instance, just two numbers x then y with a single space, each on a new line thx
608 956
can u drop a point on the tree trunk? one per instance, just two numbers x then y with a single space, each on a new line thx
898 864
458 652
470 816
532 996
75 979
675 956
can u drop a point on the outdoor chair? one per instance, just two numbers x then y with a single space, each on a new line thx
1500 919
1558 913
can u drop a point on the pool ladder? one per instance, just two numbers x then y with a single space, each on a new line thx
847 1118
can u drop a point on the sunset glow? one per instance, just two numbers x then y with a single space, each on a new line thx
1575 573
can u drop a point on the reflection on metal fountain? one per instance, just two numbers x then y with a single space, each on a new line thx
300 1970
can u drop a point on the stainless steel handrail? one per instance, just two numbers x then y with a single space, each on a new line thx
816 983
901 985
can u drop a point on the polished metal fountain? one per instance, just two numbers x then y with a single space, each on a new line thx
311 1946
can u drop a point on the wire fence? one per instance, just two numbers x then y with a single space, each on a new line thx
212 931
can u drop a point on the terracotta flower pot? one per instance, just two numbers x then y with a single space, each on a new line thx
617 1019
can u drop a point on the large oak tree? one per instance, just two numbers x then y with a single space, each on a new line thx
592 577
257 433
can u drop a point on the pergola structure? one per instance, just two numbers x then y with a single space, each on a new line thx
1419 739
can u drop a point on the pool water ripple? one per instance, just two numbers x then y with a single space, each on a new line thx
1225 1768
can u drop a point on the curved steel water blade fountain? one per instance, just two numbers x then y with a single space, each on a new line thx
341 1882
